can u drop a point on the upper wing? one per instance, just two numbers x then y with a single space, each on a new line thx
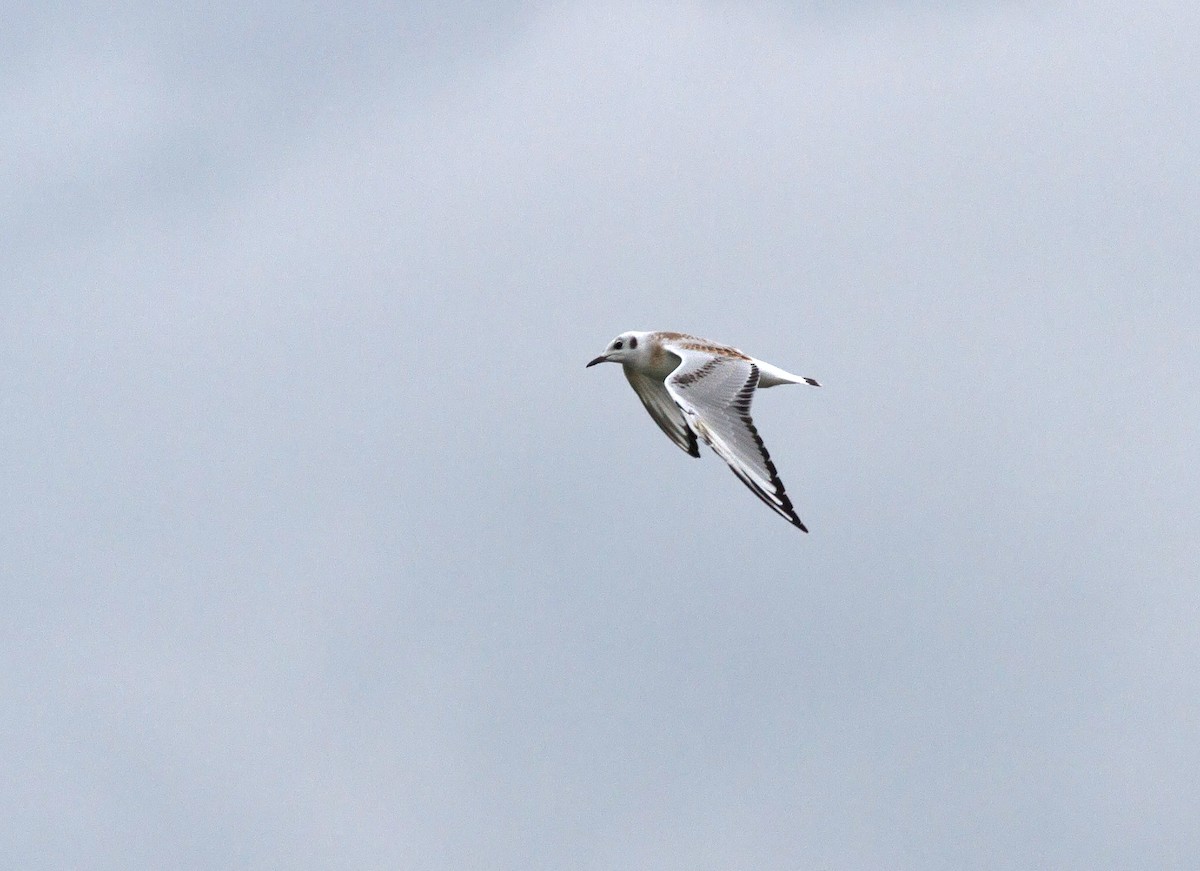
714 390
663 409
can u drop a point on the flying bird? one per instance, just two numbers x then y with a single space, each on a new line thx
697 389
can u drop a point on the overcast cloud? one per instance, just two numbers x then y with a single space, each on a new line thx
321 550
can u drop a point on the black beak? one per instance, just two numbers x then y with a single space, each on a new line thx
599 359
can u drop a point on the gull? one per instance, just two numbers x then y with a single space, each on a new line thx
694 388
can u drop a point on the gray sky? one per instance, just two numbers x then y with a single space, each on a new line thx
321 550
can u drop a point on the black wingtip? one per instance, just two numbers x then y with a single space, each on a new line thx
812 382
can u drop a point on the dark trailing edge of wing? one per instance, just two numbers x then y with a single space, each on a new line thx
778 500
789 514
784 507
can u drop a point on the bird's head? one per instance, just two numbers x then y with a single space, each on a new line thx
627 348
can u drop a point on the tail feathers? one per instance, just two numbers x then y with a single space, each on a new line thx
771 376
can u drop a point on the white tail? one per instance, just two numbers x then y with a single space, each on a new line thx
771 376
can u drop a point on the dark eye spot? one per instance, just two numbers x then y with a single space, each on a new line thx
617 345
633 342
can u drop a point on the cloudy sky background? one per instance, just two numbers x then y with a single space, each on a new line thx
320 549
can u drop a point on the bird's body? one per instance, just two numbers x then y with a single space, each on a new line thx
697 389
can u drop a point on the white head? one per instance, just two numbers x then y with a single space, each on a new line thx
629 348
